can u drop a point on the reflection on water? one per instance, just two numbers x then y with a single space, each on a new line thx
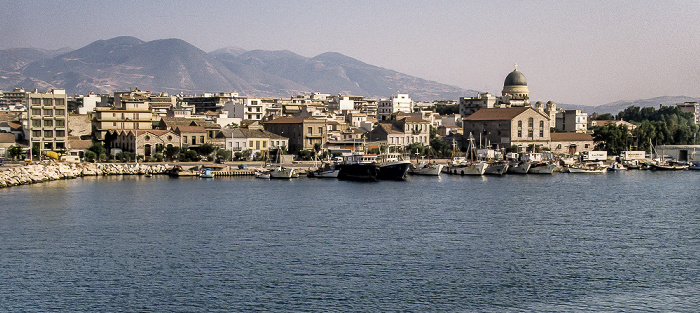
614 242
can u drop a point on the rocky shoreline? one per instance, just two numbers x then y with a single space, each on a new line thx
37 173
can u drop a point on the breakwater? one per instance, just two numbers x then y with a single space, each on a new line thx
37 173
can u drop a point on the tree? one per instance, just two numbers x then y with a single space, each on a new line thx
90 156
15 151
223 154
99 150
171 152
206 149
189 156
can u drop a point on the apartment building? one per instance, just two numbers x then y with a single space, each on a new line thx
48 120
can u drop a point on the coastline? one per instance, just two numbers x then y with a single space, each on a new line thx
42 172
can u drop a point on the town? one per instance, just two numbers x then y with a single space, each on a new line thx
145 126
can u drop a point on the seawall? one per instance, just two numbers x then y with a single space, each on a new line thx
37 173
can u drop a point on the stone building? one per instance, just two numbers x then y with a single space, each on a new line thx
501 128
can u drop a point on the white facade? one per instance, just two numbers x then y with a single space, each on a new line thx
397 103
249 109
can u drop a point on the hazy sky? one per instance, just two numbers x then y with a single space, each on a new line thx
581 52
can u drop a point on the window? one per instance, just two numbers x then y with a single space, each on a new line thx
184 139
194 140
60 123
170 138
60 133
36 123
587 145
36 101
48 134
541 124
529 133
114 124
541 132
530 122
58 102
257 145
47 102
36 133
264 144
311 130
520 124
60 111
201 139
320 130
48 112
36 111
520 133
48 123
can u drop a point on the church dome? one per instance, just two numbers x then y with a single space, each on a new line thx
515 78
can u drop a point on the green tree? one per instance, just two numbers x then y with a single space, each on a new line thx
15 151
90 156
206 149
171 152
223 154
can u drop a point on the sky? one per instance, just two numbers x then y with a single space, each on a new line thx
575 52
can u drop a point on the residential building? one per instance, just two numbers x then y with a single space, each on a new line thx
15 97
257 140
81 104
211 101
7 140
48 120
570 143
402 131
501 128
396 103
469 105
192 136
249 109
129 113
572 121
303 132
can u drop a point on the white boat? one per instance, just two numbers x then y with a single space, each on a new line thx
468 169
542 168
617 167
590 168
497 168
262 175
327 171
206 173
282 172
427 168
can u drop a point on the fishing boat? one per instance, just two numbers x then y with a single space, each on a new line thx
695 166
668 166
427 168
393 167
519 167
326 171
496 168
617 167
588 168
468 167
358 166
542 168
282 172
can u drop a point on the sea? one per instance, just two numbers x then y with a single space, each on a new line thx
615 242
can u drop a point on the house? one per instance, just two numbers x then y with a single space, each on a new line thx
192 136
144 142
570 143
504 127
7 140
402 131
303 132
257 140
596 123
77 147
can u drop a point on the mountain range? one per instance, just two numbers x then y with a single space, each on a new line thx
175 66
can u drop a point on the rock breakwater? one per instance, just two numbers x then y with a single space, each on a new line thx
37 173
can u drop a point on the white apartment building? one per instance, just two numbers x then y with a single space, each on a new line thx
397 103
572 121
48 120
249 109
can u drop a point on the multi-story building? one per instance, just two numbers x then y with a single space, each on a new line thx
15 97
249 109
691 107
303 132
81 104
48 120
572 121
161 104
500 128
469 105
128 113
397 103
402 130
214 102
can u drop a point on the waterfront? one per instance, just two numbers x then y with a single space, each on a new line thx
625 241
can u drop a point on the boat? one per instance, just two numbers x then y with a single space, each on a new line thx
427 168
542 168
588 168
695 166
668 166
468 167
358 166
206 173
496 168
393 167
262 175
519 167
617 167
282 172
326 171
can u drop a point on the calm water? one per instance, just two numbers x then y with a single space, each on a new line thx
613 242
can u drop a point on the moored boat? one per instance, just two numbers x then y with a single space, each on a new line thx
497 168
358 166
542 168
519 167
617 167
695 166
668 167
590 168
427 168
282 172
393 167
326 171
262 175
206 173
